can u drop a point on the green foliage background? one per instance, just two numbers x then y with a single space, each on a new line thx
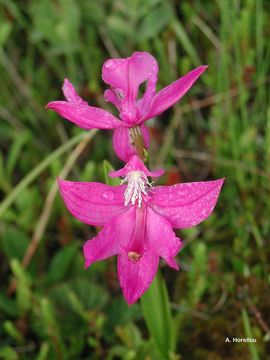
50 307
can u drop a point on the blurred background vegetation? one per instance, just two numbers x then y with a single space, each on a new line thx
50 307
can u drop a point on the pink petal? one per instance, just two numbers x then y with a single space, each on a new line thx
145 135
110 240
135 164
71 94
92 203
122 142
110 95
169 95
161 238
186 205
136 277
142 67
84 116
115 73
127 74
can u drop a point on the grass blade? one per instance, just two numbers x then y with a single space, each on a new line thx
157 314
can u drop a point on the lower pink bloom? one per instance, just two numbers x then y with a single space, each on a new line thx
138 220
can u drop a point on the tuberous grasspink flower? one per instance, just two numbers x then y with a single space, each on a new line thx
138 220
125 77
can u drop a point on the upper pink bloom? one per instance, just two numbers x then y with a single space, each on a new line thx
125 77
137 220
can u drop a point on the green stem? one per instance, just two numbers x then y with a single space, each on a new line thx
158 316
138 141
248 332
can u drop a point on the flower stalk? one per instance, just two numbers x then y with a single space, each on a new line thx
138 142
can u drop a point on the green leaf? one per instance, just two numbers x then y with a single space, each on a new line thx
107 167
129 335
43 352
43 17
154 22
157 313
14 243
2 170
78 301
5 30
69 21
7 353
93 12
197 277
23 293
88 173
61 263
77 305
15 151
13 332
7 305
50 326
248 332
187 44
90 294
120 314
28 204
31 176
119 26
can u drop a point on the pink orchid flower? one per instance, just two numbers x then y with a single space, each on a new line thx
125 77
137 220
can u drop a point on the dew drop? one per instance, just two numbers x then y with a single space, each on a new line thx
108 195
109 64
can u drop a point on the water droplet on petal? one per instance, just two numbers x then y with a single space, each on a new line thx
109 64
108 195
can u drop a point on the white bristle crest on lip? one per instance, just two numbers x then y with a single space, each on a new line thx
137 185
